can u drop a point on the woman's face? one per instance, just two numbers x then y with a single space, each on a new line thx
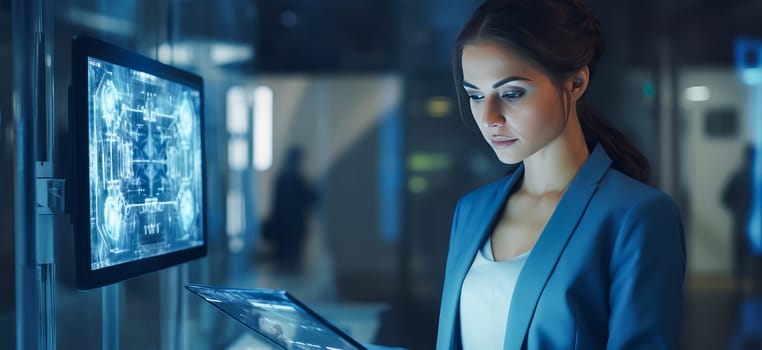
515 104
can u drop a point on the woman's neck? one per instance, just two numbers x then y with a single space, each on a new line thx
552 168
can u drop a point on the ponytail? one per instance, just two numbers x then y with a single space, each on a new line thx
625 157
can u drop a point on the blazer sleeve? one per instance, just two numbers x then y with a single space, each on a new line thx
646 273
453 232
446 331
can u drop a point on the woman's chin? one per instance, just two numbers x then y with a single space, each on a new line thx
508 159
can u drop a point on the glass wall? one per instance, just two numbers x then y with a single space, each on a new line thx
7 142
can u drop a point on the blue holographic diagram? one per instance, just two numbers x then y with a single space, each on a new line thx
145 165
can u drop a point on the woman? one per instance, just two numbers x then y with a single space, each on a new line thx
572 250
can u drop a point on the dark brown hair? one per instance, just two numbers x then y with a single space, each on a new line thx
561 37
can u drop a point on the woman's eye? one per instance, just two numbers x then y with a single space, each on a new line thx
512 94
476 97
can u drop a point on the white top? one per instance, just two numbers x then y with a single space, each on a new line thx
486 297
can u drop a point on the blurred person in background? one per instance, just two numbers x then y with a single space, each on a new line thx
736 197
293 200
573 249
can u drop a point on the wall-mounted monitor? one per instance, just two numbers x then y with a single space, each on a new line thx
137 172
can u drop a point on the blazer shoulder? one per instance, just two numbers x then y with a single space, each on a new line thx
620 190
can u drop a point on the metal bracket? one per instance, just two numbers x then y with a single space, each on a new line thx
50 195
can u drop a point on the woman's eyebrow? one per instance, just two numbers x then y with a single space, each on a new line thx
499 83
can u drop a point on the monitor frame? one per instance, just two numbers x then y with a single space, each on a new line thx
83 48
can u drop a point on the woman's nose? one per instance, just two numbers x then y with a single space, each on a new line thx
493 113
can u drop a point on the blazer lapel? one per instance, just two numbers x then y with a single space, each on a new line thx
480 227
472 231
544 257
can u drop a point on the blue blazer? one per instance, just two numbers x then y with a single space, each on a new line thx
606 272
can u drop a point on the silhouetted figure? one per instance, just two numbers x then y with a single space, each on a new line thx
293 199
737 198
748 332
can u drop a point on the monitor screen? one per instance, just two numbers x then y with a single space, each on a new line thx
138 160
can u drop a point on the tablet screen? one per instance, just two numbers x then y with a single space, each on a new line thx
277 316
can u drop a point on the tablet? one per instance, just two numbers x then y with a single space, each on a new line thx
277 316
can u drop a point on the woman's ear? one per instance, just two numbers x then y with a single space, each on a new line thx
579 82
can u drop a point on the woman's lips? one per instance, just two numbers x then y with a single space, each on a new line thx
502 141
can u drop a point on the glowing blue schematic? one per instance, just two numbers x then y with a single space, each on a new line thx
145 165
